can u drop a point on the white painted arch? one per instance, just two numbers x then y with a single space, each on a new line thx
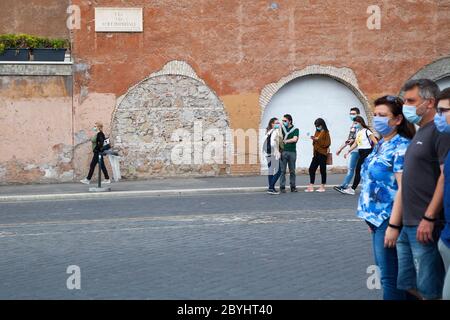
314 92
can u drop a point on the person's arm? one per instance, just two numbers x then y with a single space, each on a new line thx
294 139
353 147
338 152
373 138
392 233
425 229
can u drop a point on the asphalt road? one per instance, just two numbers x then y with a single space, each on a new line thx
231 246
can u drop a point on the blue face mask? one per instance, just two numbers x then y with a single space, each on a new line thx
441 123
276 126
352 117
381 124
319 128
411 115
286 124
358 126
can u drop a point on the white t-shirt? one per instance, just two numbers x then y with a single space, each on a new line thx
363 140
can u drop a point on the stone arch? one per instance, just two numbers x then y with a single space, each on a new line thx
344 75
151 112
344 83
437 71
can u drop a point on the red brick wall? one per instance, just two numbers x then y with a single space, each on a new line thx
38 17
238 46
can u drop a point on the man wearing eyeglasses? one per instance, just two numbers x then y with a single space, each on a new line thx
418 212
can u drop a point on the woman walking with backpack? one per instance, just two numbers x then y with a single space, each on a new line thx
365 141
98 141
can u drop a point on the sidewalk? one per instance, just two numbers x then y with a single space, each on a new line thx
154 187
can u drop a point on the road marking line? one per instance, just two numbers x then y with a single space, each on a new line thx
113 194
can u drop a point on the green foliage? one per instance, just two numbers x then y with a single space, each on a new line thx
25 41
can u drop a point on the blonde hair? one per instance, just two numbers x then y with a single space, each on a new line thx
99 125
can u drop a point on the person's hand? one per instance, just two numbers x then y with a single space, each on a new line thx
338 152
346 155
390 238
425 231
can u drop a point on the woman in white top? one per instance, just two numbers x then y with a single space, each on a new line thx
271 149
365 141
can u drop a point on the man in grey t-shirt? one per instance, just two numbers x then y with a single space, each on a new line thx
419 206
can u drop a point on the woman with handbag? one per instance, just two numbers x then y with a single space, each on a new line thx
321 144
98 146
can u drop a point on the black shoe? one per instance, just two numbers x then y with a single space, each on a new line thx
282 190
339 189
294 190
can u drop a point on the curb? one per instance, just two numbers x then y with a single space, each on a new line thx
142 193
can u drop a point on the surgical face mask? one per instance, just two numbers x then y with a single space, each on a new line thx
358 126
352 117
381 124
94 129
319 128
411 115
440 120
286 124
276 126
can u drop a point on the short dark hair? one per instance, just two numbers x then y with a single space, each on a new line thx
356 110
444 95
428 89
289 117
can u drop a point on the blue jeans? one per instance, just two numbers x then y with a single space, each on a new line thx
288 159
274 171
445 254
386 260
352 161
420 266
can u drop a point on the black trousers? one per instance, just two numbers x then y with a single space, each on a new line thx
319 160
94 164
363 154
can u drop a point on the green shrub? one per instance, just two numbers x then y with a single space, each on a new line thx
25 41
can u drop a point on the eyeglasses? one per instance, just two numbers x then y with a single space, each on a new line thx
442 110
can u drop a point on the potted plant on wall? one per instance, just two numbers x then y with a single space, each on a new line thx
14 47
45 49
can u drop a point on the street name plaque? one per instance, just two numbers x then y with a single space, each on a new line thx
118 20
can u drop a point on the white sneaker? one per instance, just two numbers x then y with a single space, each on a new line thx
85 181
107 181
349 191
